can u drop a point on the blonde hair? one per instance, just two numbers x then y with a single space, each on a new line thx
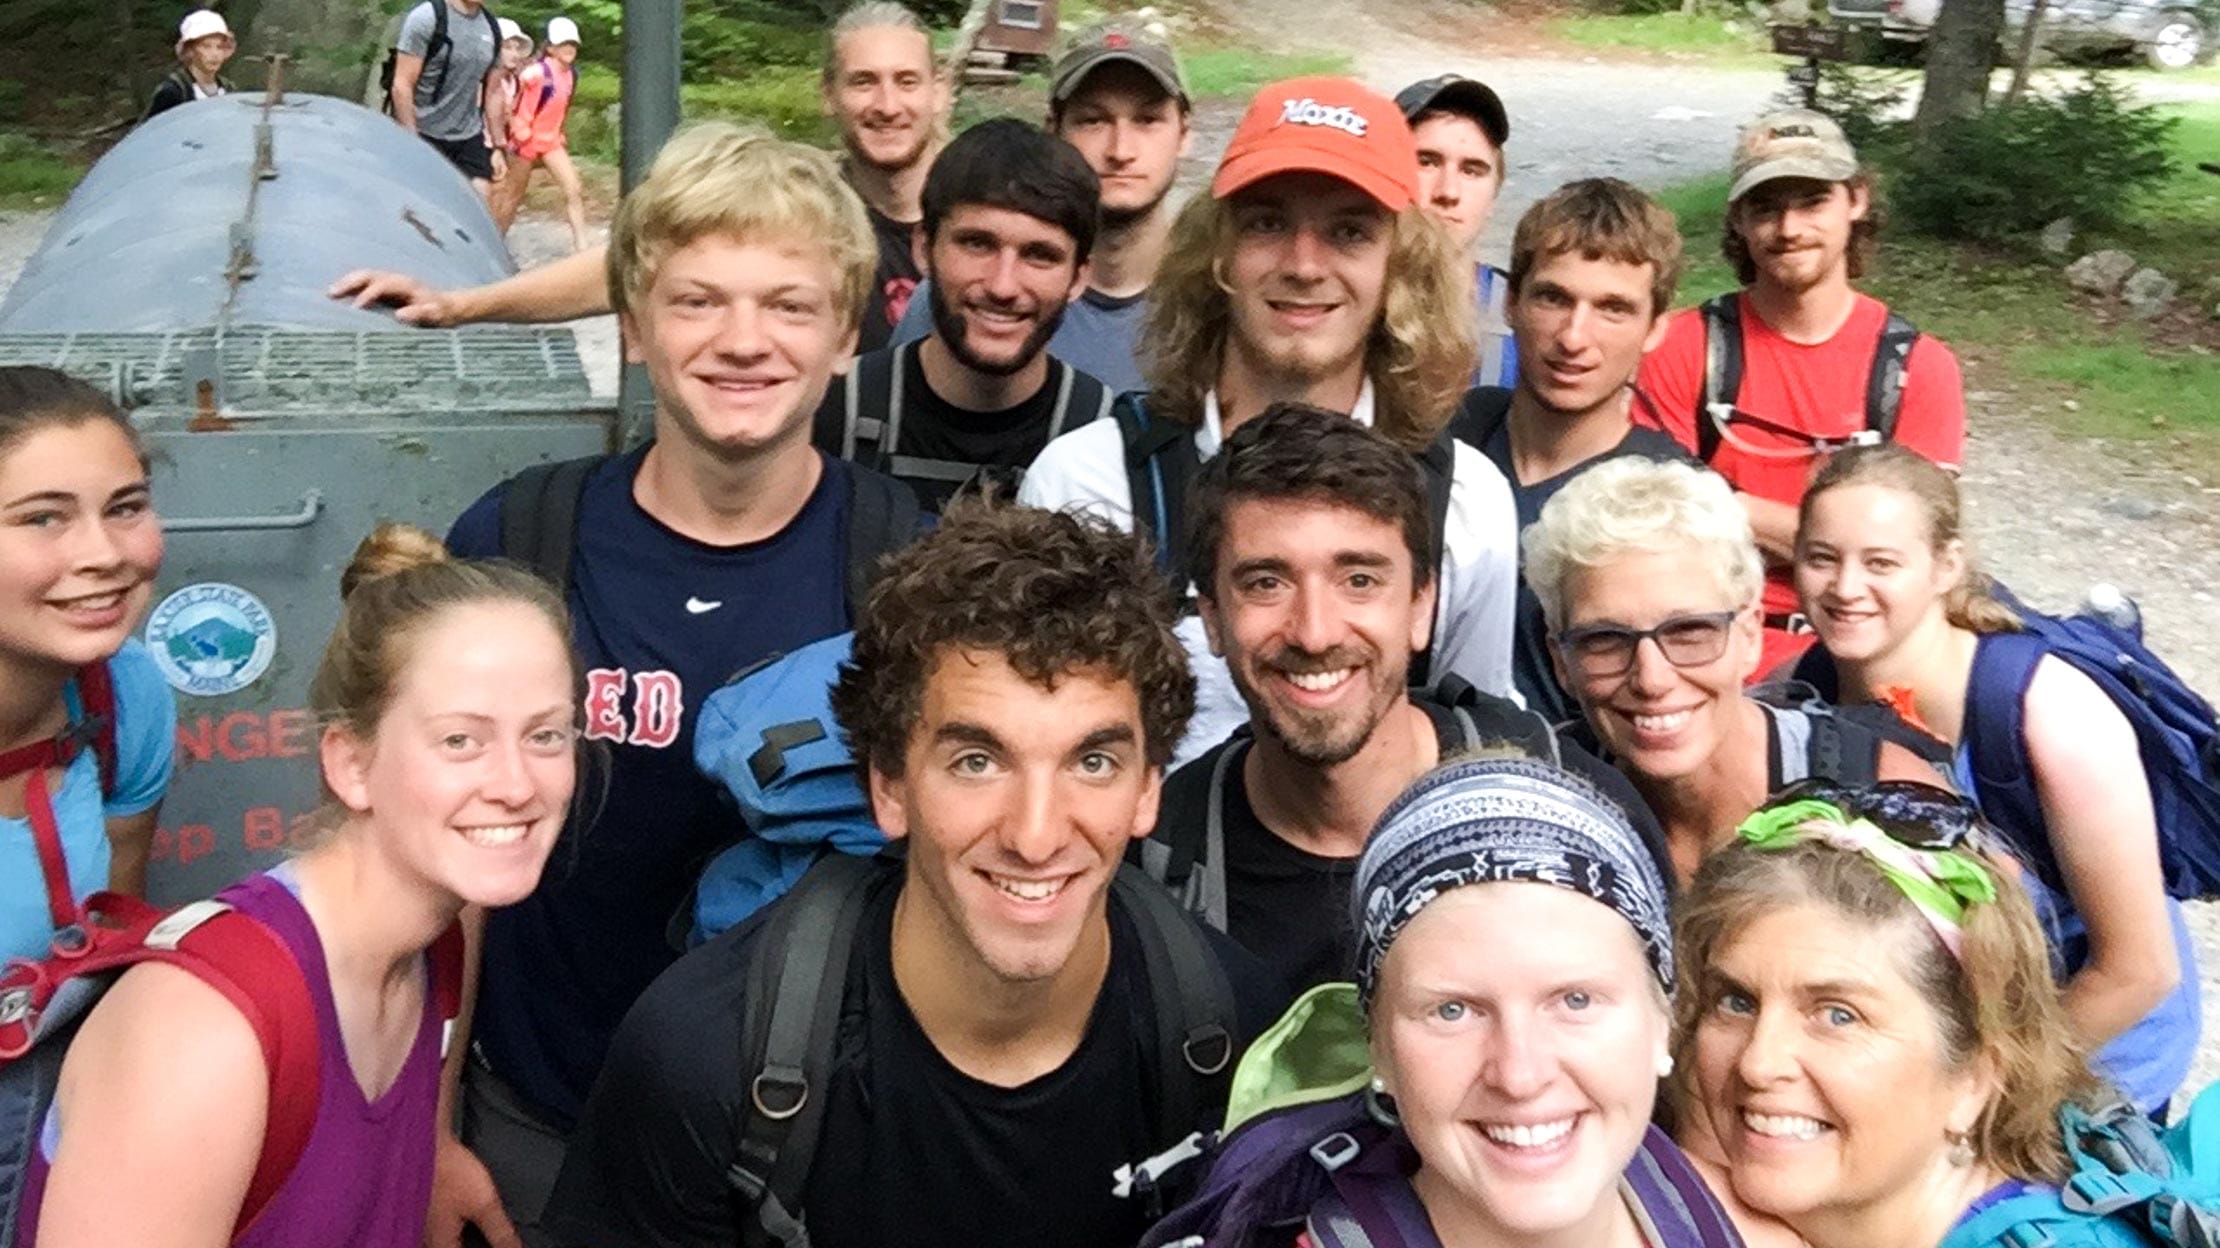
1419 356
1971 604
1633 506
714 177
871 15
1996 1003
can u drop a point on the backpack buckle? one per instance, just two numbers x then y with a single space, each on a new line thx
1207 1049
19 1021
1335 1151
779 1093
2101 1194
71 942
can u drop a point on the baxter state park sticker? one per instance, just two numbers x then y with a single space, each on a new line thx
211 639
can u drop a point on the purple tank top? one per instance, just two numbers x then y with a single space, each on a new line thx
365 1177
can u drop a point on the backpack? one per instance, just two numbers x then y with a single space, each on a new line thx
43 1003
1841 743
1161 463
797 978
1884 387
2134 1185
2175 731
93 728
871 429
768 738
1186 852
539 521
437 48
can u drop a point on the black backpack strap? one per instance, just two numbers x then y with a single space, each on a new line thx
1079 392
1884 387
539 516
797 984
1439 465
1485 719
871 424
1482 412
1192 999
883 516
1722 369
437 47
1160 461
1180 839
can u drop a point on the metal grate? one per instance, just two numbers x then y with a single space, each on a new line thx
259 370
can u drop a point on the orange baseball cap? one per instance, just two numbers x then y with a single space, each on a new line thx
1324 125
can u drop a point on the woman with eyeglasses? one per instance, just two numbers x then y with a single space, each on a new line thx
1906 619
1869 1021
1649 579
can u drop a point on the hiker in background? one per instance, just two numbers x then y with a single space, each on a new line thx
1907 620
1010 216
87 720
1307 275
449 752
1460 127
501 95
1116 94
447 54
204 43
1314 565
1593 267
1513 1076
535 134
1015 1019
742 268
886 95
1875 1046
1763 382
1649 581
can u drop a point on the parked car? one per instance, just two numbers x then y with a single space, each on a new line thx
2168 34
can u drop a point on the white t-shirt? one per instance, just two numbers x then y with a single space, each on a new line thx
1085 470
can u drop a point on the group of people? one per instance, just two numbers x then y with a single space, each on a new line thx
1402 773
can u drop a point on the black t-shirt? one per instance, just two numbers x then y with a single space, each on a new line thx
1531 671
892 285
1002 442
1290 907
914 1152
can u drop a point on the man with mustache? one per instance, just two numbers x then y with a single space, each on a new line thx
1117 95
1009 223
1764 382
880 87
1312 551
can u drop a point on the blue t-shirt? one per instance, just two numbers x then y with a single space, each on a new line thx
1100 334
660 620
146 745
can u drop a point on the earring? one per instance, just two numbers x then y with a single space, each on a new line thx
1379 1085
1664 1065
1961 1148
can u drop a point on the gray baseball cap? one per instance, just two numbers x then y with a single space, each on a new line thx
1114 41
1456 93
1792 143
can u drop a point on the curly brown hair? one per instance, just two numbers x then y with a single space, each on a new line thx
1051 592
1865 233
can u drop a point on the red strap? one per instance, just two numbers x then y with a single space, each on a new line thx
446 960
96 695
38 807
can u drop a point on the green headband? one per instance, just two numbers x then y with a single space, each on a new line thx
1941 883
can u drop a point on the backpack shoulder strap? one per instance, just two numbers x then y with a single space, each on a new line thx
1484 719
96 697
883 515
1482 411
1180 842
1160 459
1676 1198
1080 392
1995 731
873 418
539 516
1722 368
1439 465
797 983
1884 386
1192 1002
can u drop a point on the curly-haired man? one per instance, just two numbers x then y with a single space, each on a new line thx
1015 691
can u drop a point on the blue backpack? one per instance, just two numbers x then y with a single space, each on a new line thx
2175 730
769 738
2134 1185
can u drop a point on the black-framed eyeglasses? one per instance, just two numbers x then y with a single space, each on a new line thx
1923 816
1598 651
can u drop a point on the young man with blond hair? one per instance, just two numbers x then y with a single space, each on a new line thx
739 268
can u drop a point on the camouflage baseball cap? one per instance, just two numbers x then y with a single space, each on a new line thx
1792 143
1107 42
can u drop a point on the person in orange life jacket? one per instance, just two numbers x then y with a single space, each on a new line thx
1460 126
534 133
1010 214
449 752
1311 275
87 721
743 264
204 43
1593 267
1116 94
1821 364
881 88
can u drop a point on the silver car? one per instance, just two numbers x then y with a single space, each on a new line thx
2169 34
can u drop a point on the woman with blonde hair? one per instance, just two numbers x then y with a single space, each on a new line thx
1906 619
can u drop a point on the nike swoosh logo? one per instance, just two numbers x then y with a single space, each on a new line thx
695 606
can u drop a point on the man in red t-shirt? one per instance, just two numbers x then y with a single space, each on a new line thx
1821 365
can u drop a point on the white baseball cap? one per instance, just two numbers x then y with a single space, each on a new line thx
199 24
509 29
561 30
